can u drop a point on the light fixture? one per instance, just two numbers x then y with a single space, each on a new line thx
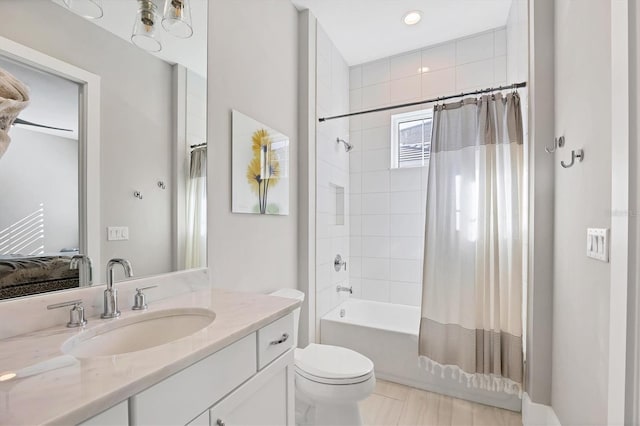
413 17
423 69
177 18
91 9
145 28
7 376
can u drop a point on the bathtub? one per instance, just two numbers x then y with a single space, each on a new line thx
388 335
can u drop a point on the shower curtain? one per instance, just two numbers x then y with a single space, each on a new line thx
196 244
471 325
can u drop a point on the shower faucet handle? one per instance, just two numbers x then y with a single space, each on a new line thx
339 263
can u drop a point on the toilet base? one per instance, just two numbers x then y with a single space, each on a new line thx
308 414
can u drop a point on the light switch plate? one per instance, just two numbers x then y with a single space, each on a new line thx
117 233
598 244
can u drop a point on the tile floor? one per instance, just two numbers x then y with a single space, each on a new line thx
394 404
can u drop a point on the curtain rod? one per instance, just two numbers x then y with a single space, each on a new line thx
198 145
441 98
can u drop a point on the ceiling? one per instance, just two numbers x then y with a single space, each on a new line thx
366 30
119 16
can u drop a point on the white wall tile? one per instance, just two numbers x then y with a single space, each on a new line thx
375 203
375 268
355 246
376 119
355 225
405 270
355 77
375 72
475 48
406 65
406 225
376 138
355 268
355 183
355 204
407 202
406 89
406 247
375 247
375 225
500 70
475 74
376 95
375 159
355 99
377 290
408 179
438 83
500 41
375 182
439 57
355 161
405 293
323 276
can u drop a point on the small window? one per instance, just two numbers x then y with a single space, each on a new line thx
411 138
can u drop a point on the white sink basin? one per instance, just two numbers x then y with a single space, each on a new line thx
138 332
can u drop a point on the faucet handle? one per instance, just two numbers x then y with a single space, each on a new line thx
76 315
140 300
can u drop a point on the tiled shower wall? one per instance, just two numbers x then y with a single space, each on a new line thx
332 202
387 206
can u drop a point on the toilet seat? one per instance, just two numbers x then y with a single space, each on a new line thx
332 365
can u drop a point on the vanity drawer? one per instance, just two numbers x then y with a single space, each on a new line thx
182 397
274 340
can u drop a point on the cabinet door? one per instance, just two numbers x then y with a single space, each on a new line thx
116 415
267 399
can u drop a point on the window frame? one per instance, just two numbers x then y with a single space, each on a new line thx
396 121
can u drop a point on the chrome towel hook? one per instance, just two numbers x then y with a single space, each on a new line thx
579 154
557 143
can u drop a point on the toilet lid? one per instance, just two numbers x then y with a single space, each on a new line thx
332 362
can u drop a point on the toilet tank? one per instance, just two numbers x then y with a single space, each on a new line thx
291 293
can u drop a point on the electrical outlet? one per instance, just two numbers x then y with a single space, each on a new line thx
117 233
598 244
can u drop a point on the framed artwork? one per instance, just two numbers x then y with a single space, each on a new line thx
260 168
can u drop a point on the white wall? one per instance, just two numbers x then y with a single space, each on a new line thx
38 170
253 67
332 237
582 200
136 124
388 206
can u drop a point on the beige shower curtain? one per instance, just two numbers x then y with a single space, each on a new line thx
196 244
471 325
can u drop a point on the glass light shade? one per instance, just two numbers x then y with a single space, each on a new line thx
145 33
91 9
177 18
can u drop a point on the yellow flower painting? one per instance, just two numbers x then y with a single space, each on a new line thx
262 155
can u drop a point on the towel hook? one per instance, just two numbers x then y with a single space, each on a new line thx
137 194
579 154
557 143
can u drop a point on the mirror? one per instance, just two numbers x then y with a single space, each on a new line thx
108 159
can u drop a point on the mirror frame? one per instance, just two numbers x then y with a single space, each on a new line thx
88 143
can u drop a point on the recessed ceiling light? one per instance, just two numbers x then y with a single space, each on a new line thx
7 376
413 17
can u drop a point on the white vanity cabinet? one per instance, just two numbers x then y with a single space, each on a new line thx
249 382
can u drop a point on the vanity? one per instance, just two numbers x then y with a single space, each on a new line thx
237 370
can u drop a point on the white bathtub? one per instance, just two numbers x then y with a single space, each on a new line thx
388 335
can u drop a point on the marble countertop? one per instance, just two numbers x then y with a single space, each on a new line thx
54 388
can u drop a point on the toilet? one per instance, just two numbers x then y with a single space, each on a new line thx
329 380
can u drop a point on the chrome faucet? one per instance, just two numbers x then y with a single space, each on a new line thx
340 288
111 294
83 259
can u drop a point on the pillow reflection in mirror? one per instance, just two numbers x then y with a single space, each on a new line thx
14 97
